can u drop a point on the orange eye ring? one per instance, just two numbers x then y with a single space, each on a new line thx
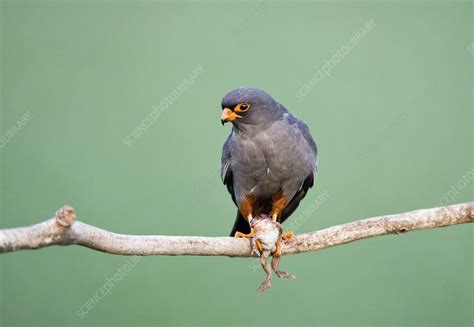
242 107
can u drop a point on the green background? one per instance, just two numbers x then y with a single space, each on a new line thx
393 123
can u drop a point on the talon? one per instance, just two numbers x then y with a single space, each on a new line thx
242 235
287 235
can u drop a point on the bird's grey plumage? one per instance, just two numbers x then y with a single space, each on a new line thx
268 151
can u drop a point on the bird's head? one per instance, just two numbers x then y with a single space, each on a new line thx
249 106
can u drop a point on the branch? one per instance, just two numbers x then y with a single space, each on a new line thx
63 229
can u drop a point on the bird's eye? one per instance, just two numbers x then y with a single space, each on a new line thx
242 107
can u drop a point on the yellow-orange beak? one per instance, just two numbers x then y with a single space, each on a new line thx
228 115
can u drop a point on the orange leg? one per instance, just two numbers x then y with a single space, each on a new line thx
259 246
279 203
245 208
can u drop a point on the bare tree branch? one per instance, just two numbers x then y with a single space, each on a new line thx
63 229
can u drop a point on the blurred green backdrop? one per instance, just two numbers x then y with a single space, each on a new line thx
393 121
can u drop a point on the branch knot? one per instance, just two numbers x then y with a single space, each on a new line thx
65 216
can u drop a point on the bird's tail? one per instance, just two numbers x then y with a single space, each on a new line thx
241 225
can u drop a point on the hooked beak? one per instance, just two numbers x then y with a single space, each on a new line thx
228 116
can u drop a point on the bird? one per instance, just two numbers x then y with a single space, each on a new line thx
269 160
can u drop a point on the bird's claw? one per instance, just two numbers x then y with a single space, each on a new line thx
287 235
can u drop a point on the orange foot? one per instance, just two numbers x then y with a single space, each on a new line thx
287 235
242 235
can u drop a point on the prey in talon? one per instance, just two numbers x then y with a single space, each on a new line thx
266 234
266 241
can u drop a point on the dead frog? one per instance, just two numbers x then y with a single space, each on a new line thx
266 241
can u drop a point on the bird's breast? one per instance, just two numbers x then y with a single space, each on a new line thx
264 163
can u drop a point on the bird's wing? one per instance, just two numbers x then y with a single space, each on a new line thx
226 171
307 136
240 223
309 180
295 201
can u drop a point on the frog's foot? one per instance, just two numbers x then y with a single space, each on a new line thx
284 275
265 285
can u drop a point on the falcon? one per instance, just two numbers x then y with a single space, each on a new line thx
269 160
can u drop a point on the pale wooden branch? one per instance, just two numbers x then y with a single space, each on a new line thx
63 229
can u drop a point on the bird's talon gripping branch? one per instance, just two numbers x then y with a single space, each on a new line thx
287 235
242 235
